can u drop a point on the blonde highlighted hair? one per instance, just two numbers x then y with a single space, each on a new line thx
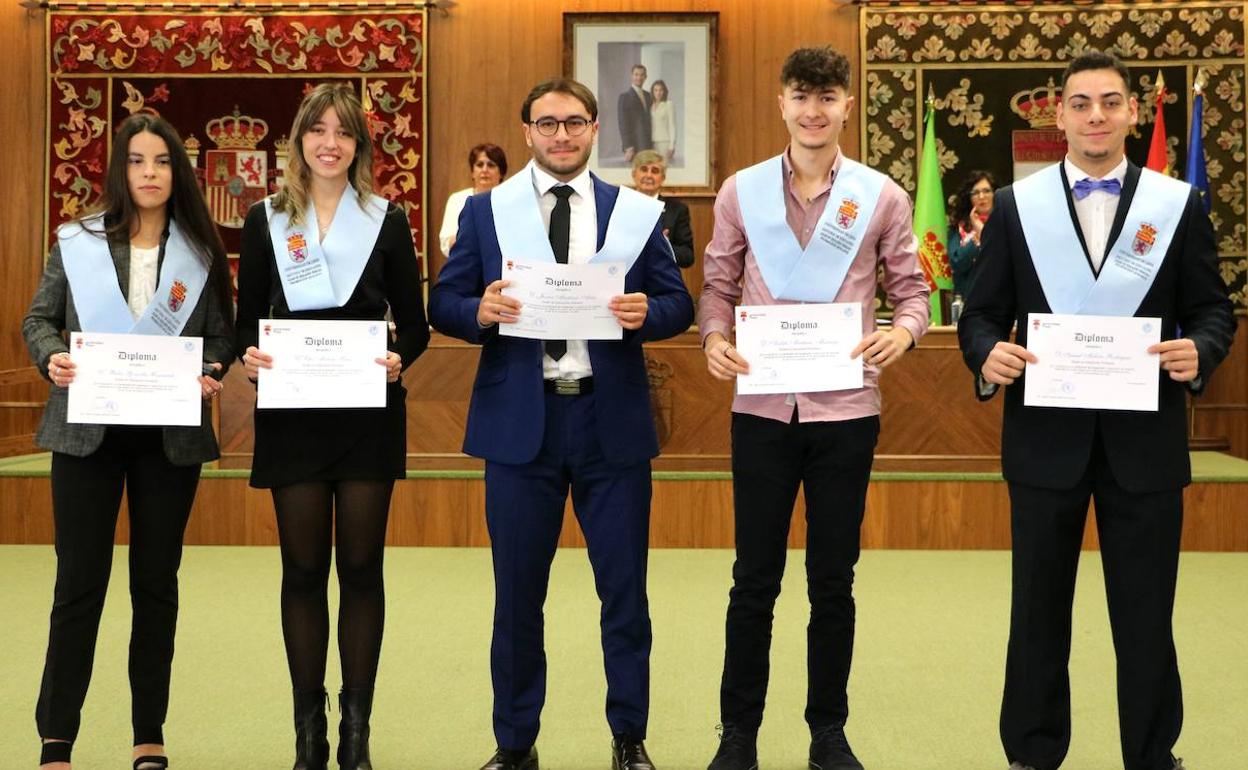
292 198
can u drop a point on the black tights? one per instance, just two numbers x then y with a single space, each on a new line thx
306 528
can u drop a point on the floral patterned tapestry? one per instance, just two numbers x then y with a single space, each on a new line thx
230 82
992 70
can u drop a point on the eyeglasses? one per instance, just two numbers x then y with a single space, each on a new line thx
979 193
575 126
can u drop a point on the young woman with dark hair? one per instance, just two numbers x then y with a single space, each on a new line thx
115 270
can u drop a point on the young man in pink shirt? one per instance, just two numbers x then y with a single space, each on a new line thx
808 226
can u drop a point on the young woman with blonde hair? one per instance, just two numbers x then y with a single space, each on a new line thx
331 471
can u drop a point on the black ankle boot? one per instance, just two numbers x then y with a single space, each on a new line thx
311 730
354 705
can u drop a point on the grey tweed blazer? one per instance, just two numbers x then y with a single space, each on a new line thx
52 316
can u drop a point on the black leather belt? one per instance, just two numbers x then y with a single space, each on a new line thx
570 387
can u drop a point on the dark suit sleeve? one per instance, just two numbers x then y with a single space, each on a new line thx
454 299
681 235
1203 310
624 111
991 306
255 254
45 320
402 276
669 307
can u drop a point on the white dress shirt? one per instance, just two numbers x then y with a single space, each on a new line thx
1096 212
143 264
582 245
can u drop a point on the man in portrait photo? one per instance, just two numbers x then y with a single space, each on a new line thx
634 115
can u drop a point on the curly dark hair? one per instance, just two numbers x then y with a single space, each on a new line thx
816 69
962 205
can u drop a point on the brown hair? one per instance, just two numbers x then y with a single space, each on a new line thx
292 198
568 86
491 151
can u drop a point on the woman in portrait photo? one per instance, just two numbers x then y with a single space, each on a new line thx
662 121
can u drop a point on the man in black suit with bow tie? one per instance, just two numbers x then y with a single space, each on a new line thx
1134 464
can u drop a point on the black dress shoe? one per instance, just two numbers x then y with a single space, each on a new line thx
830 751
629 754
507 759
738 750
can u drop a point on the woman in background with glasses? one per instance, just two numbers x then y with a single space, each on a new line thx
970 212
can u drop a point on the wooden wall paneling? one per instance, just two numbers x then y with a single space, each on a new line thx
1222 410
685 513
21 217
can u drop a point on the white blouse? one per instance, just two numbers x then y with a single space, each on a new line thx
143 264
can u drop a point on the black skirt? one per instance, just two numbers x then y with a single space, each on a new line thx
294 445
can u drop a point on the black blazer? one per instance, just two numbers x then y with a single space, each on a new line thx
634 119
675 222
1049 447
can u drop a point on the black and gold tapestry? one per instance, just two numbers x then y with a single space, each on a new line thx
995 73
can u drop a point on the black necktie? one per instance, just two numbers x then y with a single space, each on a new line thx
560 236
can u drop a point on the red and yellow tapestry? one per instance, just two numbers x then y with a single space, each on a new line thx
230 82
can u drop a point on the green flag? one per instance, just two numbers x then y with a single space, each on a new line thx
930 223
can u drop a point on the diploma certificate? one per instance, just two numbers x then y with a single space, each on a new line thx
564 302
1092 362
322 364
135 379
799 348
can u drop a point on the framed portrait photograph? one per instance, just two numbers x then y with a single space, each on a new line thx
654 77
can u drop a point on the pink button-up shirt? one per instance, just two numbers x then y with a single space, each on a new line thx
733 277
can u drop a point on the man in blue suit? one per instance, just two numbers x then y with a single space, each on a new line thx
556 414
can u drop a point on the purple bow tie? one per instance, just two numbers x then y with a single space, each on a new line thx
1084 187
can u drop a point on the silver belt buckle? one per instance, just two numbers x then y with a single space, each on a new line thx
564 387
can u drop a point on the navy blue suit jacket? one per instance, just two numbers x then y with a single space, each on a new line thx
507 415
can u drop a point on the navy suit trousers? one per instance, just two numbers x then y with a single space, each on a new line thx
524 507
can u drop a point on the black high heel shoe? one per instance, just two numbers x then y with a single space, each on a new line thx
311 730
355 706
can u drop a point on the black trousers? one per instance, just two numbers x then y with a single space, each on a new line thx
1139 537
770 459
86 496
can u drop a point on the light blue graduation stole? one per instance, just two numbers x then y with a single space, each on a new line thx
1131 262
816 273
319 274
523 236
92 277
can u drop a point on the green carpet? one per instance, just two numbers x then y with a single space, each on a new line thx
924 692
1207 467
